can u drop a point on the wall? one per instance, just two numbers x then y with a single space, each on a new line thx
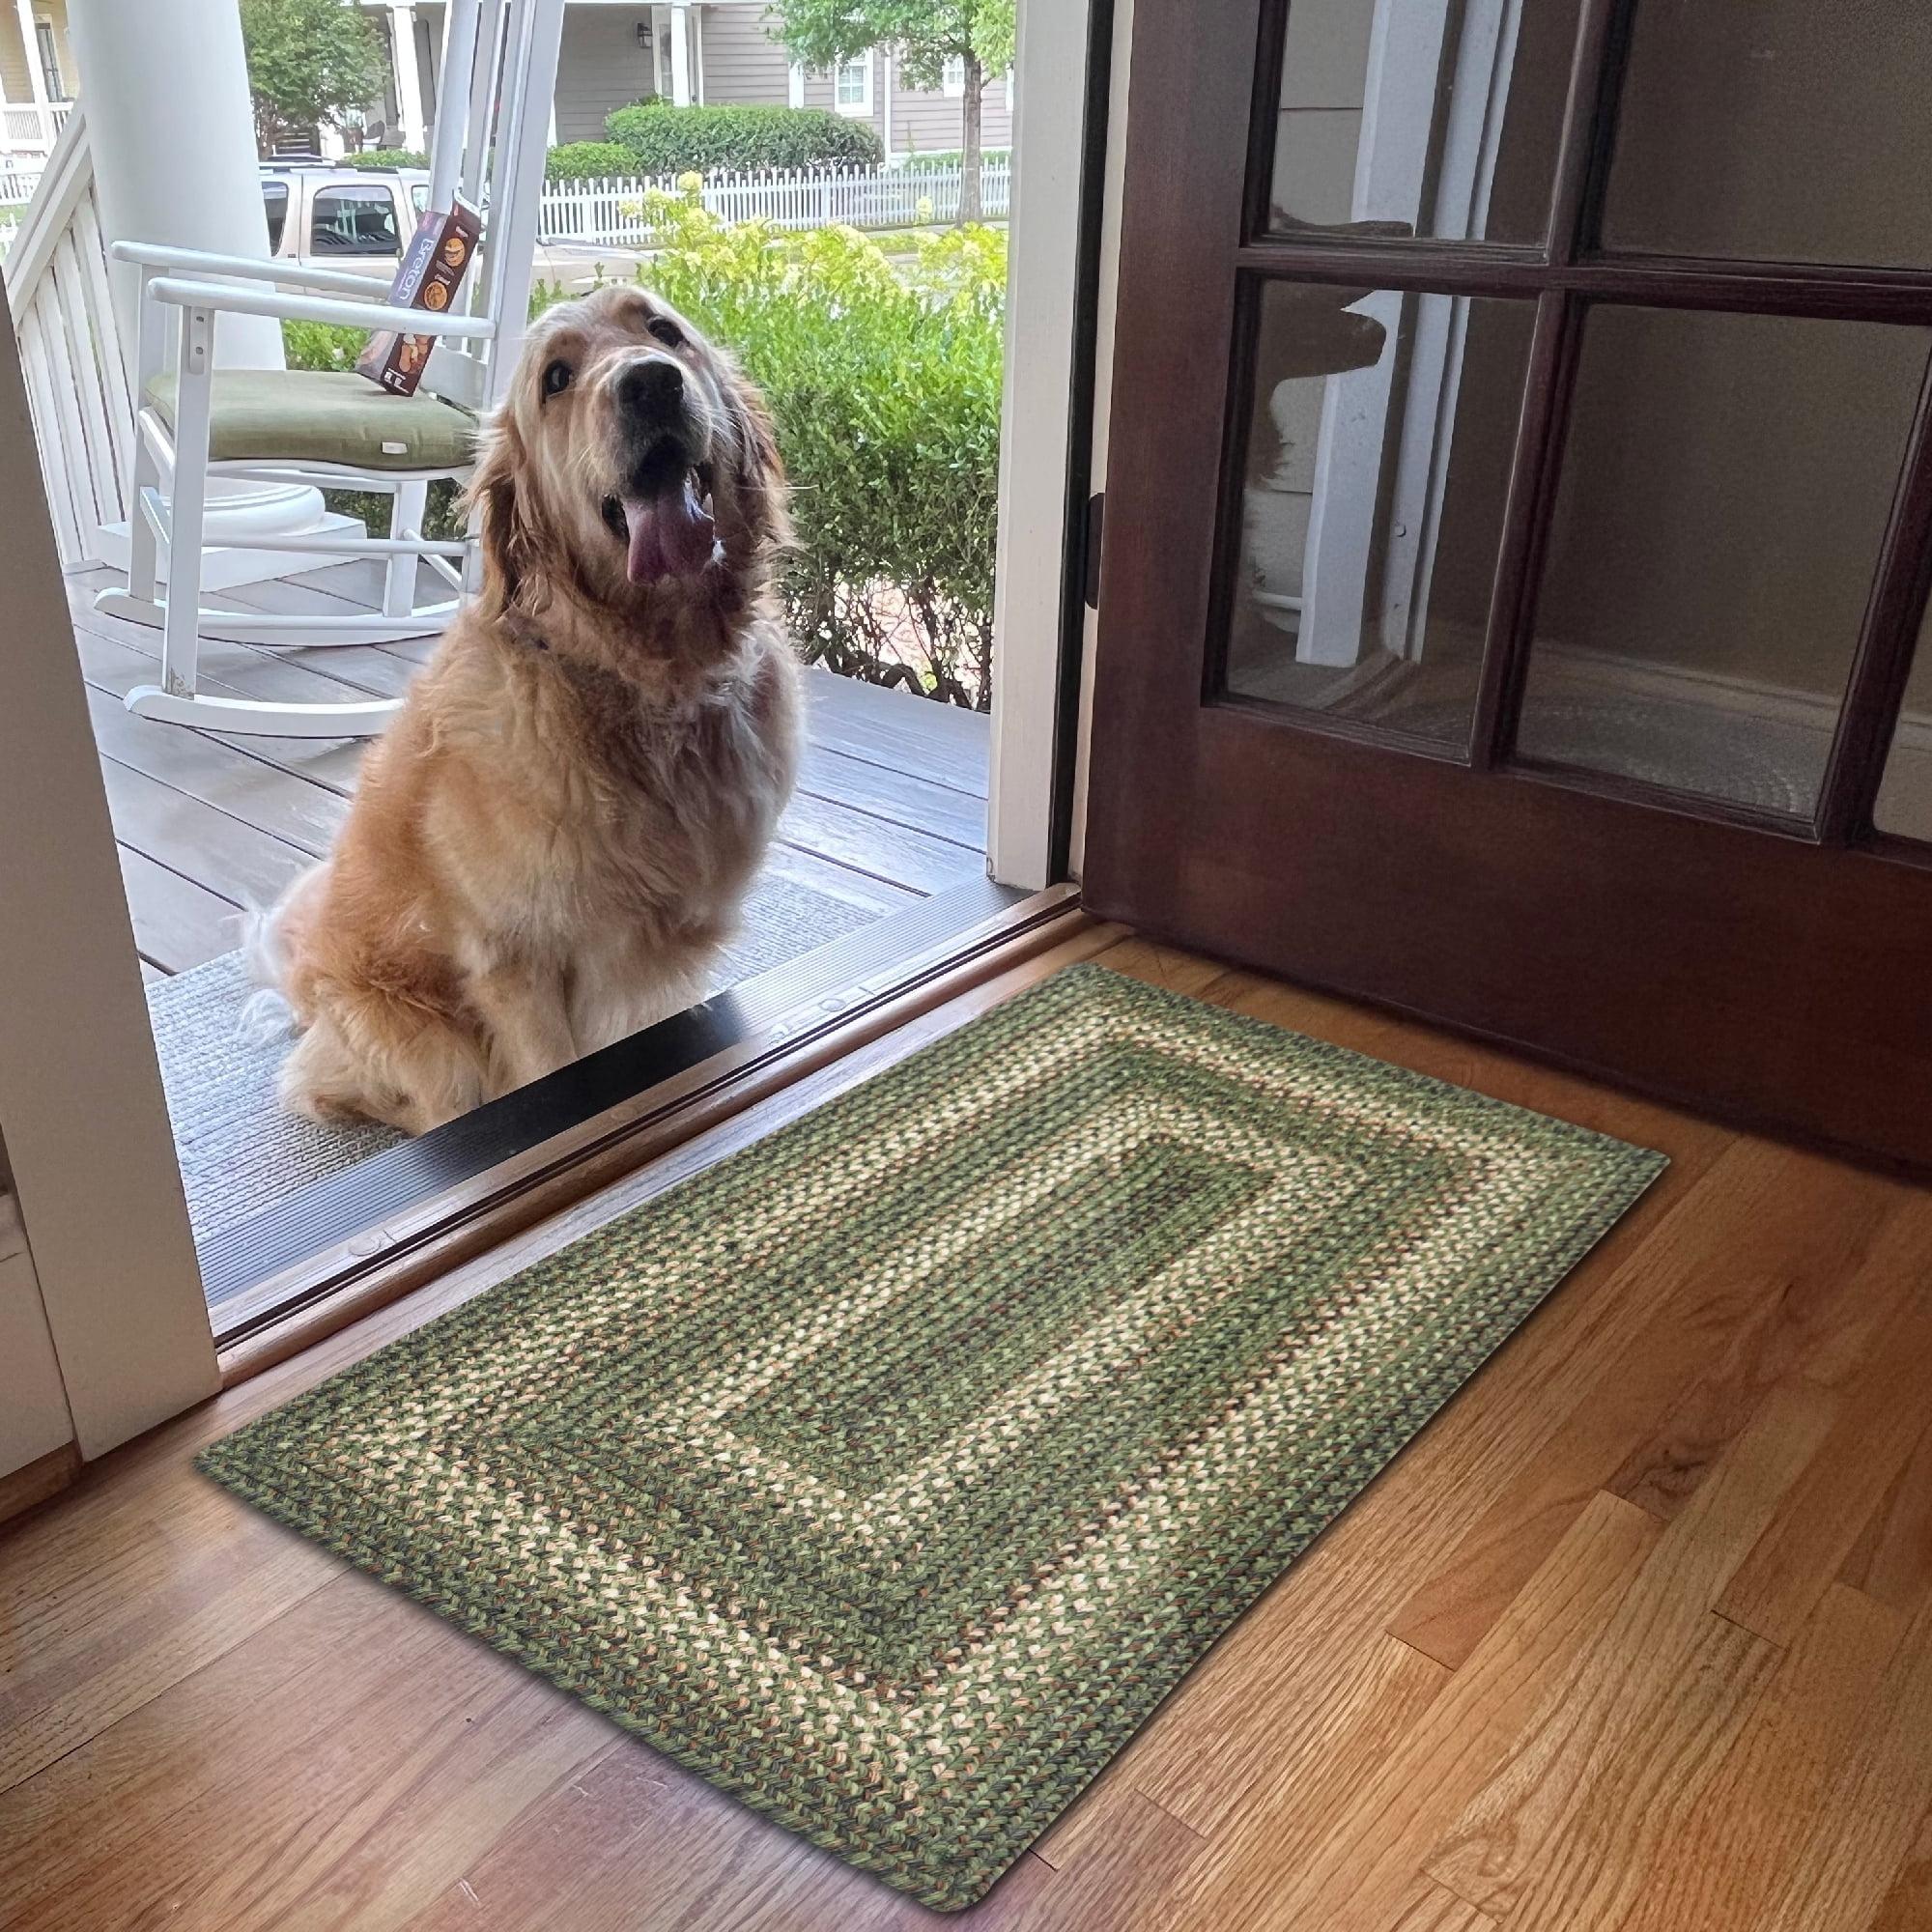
14 80
922 121
601 67
742 65
33 1421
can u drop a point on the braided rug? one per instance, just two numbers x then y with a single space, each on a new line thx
890 1473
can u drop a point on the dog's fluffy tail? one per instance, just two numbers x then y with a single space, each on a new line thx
266 1014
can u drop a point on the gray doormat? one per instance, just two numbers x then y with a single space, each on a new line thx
240 1152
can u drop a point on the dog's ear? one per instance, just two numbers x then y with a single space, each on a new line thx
491 496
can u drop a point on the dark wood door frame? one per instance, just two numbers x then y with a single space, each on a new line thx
1778 969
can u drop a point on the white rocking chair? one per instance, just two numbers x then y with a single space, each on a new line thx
337 430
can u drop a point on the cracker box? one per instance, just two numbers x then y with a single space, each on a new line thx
432 270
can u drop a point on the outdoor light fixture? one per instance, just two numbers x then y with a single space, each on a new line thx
644 33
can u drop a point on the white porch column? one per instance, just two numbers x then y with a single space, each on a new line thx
37 81
680 53
173 137
409 75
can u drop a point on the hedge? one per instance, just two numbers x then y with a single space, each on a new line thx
386 158
588 160
665 140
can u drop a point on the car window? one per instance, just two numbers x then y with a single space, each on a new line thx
354 222
419 197
276 202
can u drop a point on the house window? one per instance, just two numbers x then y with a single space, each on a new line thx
952 78
44 35
852 85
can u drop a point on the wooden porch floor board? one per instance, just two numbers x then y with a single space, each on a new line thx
891 806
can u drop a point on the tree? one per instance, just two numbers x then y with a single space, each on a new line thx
310 62
928 36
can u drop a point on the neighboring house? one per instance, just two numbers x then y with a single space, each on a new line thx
716 52
36 77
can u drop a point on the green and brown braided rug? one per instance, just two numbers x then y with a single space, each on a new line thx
892 1473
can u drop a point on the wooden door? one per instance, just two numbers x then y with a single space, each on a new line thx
1518 525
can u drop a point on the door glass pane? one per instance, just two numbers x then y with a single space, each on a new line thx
1377 457
1905 798
1726 481
1421 117
1776 129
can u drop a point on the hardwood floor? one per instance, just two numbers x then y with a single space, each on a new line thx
1637 1637
891 806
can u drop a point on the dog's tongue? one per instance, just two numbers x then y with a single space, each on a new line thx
671 533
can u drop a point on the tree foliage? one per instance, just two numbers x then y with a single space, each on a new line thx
926 36
310 62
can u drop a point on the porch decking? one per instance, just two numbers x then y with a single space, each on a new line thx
891 807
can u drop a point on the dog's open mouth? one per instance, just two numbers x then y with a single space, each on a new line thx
664 520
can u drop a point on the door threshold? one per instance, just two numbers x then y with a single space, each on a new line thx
410 1214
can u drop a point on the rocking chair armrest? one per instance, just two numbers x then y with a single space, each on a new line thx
227 300
198 261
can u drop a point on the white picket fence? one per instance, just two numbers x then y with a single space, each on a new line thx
609 212
18 180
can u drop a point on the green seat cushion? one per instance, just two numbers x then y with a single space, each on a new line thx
327 416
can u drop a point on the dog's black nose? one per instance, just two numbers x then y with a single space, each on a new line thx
651 390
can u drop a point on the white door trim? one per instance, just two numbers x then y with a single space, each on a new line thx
1035 437
81 1106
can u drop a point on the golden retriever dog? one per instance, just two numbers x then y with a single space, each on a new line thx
550 843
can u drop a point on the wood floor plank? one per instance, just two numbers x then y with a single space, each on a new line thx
1908 1906
1737 1296
941 742
1120 1877
331 763
271 801
1716 1871
1892 1559
178 925
220 854
900 796
900 854
1861 1837
1434 1907
1882 1420
1358 1876
1663 1675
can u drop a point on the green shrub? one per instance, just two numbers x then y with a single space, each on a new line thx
386 158
949 158
588 160
668 140
884 385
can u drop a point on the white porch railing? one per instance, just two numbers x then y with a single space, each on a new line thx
609 212
70 351
31 128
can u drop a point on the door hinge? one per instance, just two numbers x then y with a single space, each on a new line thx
1090 548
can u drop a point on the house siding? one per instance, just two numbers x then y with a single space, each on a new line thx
923 121
15 53
601 67
742 67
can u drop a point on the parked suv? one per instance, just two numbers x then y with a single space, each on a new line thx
360 220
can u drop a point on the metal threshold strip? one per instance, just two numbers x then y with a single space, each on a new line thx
365 1220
